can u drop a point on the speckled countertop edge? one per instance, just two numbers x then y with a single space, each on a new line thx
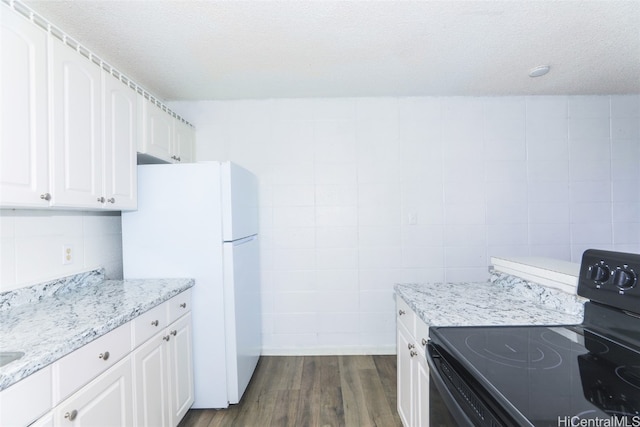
47 326
502 300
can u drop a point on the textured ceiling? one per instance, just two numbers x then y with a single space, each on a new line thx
190 50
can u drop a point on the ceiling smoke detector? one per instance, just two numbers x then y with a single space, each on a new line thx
538 71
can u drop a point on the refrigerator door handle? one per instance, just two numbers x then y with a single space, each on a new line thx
243 240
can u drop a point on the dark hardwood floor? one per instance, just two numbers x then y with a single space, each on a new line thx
311 391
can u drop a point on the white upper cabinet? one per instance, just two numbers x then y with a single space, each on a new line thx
121 134
165 138
69 128
24 157
76 144
157 135
183 142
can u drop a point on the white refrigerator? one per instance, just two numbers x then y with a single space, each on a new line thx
200 220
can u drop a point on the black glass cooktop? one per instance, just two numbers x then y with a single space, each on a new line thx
547 376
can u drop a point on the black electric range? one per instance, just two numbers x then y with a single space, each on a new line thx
587 374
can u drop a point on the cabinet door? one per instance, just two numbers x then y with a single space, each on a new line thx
157 138
181 368
26 400
76 145
406 375
24 170
106 401
422 392
184 143
44 421
120 143
151 372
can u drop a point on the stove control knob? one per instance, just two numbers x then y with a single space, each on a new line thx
624 278
598 273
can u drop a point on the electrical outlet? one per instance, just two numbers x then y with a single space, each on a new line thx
413 218
67 254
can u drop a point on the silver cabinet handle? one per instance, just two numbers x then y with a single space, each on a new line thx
401 312
155 323
101 199
413 353
71 415
410 346
104 356
183 305
424 342
111 200
166 338
174 332
45 196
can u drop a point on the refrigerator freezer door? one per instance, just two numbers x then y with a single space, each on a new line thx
242 313
239 202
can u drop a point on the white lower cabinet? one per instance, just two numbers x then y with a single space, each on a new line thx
163 370
412 368
106 401
26 400
406 377
181 386
149 386
44 421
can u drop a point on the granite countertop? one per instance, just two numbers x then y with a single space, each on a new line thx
50 320
503 300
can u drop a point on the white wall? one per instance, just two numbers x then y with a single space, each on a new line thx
31 243
358 194
341 180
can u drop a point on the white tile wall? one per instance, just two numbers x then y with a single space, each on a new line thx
358 194
32 242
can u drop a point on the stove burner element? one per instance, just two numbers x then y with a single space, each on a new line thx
514 351
630 375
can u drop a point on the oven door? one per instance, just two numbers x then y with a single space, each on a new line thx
451 388
444 409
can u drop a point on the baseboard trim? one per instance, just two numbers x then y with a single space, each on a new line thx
329 351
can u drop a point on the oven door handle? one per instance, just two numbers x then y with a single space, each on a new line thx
456 410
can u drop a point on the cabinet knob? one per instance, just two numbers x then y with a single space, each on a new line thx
104 356
413 353
101 199
71 415
111 200
424 342
166 338
174 332
401 312
410 346
155 323
45 196
183 305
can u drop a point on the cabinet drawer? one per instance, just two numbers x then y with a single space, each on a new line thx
179 305
148 324
81 366
26 400
405 315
